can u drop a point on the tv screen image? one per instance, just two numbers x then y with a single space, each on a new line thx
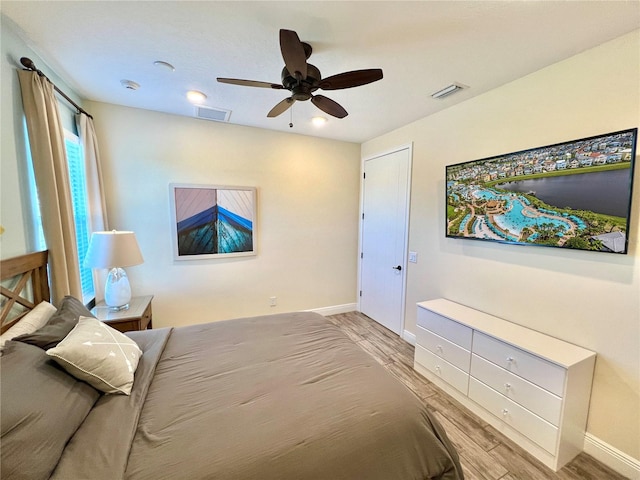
575 194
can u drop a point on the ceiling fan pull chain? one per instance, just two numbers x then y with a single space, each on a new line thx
291 117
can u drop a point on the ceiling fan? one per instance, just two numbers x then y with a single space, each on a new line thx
302 78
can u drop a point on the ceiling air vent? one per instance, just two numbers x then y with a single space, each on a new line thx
215 114
448 90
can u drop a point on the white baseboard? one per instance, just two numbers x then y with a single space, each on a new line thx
335 309
409 337
612 457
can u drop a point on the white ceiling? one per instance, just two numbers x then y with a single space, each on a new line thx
422 46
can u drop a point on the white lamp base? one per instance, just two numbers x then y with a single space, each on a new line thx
117 291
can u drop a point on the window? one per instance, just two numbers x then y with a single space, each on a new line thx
78 189
36 227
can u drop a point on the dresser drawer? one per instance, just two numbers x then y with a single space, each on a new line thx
443 348
534 369
535 428
538 400
443 369
452 331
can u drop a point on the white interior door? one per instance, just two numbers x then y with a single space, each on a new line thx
384 238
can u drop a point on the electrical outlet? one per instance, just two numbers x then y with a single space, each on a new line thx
273 301
413 257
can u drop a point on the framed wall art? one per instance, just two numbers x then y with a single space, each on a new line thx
210 221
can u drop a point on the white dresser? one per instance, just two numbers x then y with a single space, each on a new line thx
533 388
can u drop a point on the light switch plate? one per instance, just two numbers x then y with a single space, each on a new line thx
413 257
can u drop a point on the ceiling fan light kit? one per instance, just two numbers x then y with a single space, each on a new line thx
302 79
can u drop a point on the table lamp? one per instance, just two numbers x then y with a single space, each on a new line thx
114 250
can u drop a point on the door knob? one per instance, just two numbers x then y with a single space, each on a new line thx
397 268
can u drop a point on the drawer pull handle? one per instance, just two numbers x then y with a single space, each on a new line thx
510 359
505 412
439 348
438 368
507 386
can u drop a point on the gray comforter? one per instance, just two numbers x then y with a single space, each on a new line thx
274 397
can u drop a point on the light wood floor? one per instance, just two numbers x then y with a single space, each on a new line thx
485 453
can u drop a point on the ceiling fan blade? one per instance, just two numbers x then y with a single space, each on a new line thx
281 107
250 83
329 106
293 53
351 79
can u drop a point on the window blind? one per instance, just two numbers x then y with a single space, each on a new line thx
79 198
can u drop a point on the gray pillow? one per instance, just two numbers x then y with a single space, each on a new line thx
100 355
32 321
58 326
42 407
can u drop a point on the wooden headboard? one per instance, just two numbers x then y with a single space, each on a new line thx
25 284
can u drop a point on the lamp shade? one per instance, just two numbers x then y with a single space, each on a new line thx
113 249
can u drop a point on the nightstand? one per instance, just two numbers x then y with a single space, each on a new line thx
136 317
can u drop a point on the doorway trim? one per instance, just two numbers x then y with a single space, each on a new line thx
405 335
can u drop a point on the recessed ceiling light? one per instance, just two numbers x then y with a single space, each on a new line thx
194 96
167 65
318 121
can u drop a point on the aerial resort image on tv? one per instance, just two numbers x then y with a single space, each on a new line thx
573 195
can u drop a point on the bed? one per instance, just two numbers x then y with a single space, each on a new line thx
285 396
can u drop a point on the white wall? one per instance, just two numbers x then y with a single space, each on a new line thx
587 298
307 213
13 178
16 211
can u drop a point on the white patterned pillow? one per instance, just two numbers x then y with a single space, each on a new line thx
100 355
32 321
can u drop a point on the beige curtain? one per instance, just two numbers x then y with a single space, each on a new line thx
95 189
46 138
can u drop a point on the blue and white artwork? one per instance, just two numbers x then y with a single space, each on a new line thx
214 221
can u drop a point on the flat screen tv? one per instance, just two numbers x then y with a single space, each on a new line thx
574 194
